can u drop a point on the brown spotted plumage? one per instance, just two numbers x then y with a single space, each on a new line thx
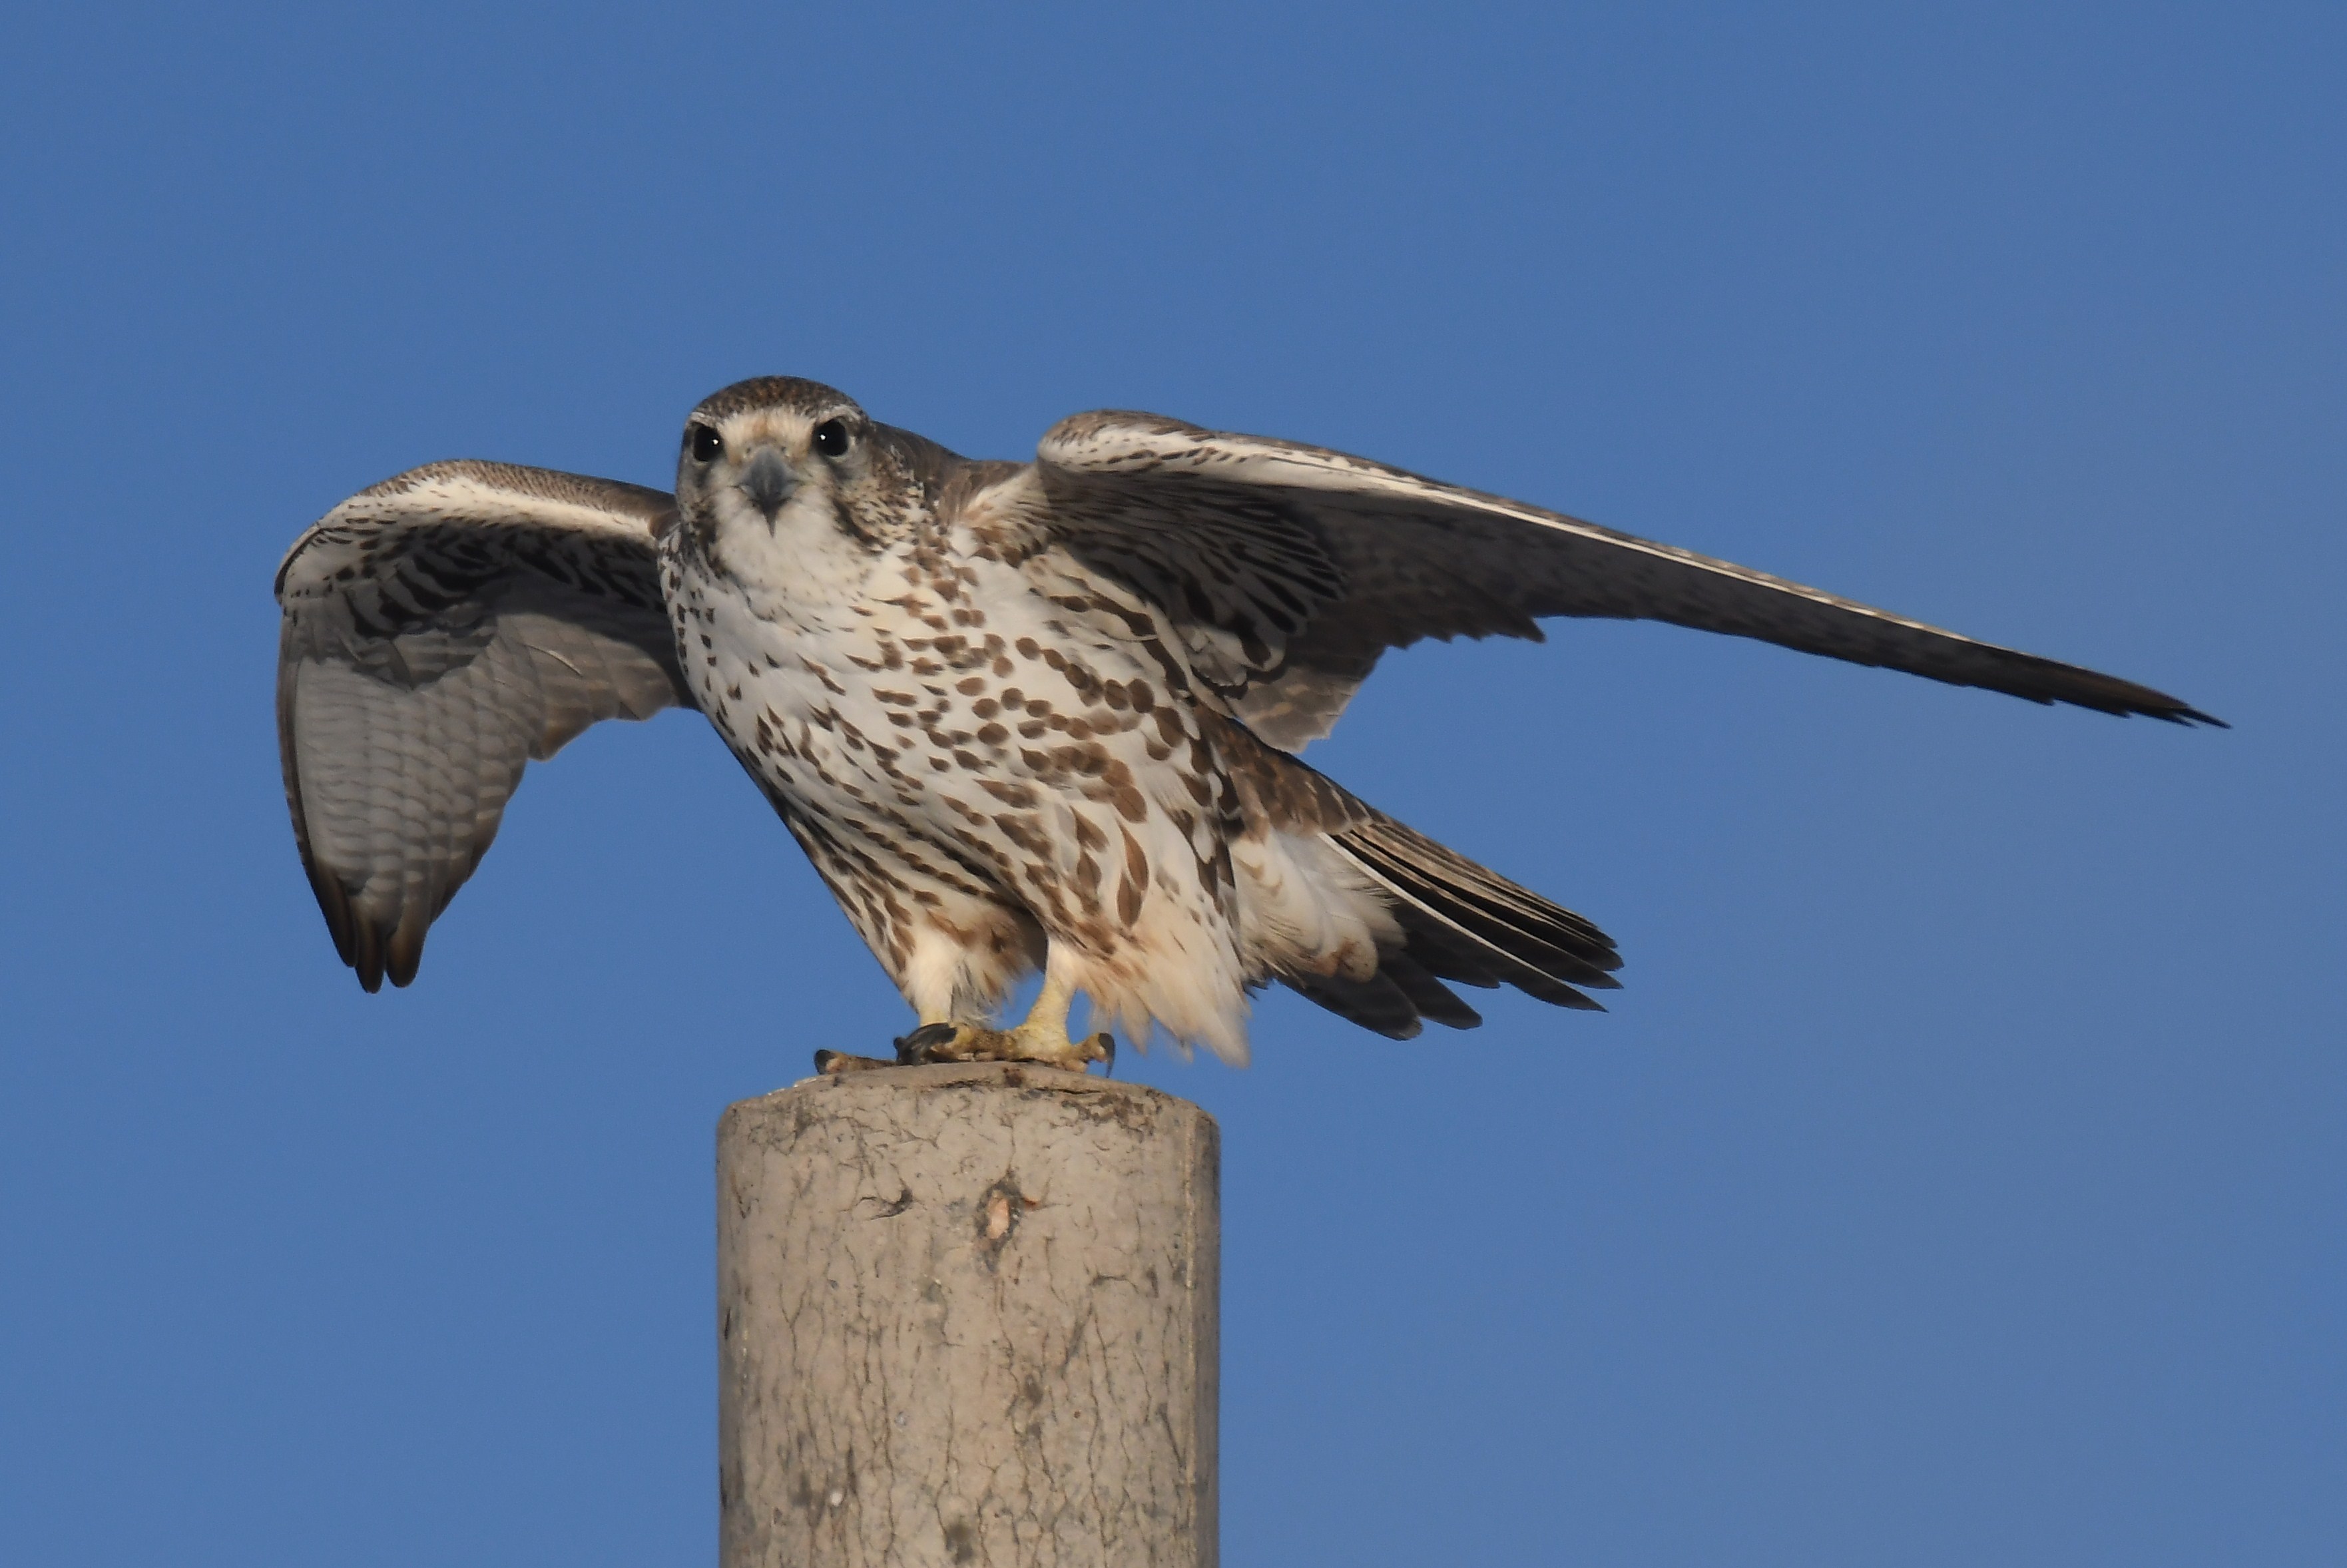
1019 716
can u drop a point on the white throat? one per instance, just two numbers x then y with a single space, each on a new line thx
803 568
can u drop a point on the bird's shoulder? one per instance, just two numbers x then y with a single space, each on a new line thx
494 509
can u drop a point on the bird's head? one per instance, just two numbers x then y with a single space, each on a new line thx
779 464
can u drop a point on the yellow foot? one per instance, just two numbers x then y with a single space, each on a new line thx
1028 1042
832 1063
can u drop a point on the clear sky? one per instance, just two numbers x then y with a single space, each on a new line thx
1958 1180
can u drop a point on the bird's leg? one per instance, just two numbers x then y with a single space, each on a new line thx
1041 1037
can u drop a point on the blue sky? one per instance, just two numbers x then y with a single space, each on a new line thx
1959 1179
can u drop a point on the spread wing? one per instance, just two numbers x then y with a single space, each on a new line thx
1290 569
440 629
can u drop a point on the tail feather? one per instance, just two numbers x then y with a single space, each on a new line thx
1376 1004
1459 922
1457 955
1484 906
1447 918
1432 998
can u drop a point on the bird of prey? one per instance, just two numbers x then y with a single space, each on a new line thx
1020 716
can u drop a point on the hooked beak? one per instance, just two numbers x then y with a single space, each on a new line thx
768 482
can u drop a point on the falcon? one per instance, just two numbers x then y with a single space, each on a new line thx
1020 716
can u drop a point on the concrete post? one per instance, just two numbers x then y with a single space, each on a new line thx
967 1314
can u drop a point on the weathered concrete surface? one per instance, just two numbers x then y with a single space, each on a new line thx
968 1314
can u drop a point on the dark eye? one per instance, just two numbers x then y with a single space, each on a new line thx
831 437
707 445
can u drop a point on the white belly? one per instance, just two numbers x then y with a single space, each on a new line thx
953 763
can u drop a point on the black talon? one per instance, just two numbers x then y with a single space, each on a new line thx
915 1048
1107 1042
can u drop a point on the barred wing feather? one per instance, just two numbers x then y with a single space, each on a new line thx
441 630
